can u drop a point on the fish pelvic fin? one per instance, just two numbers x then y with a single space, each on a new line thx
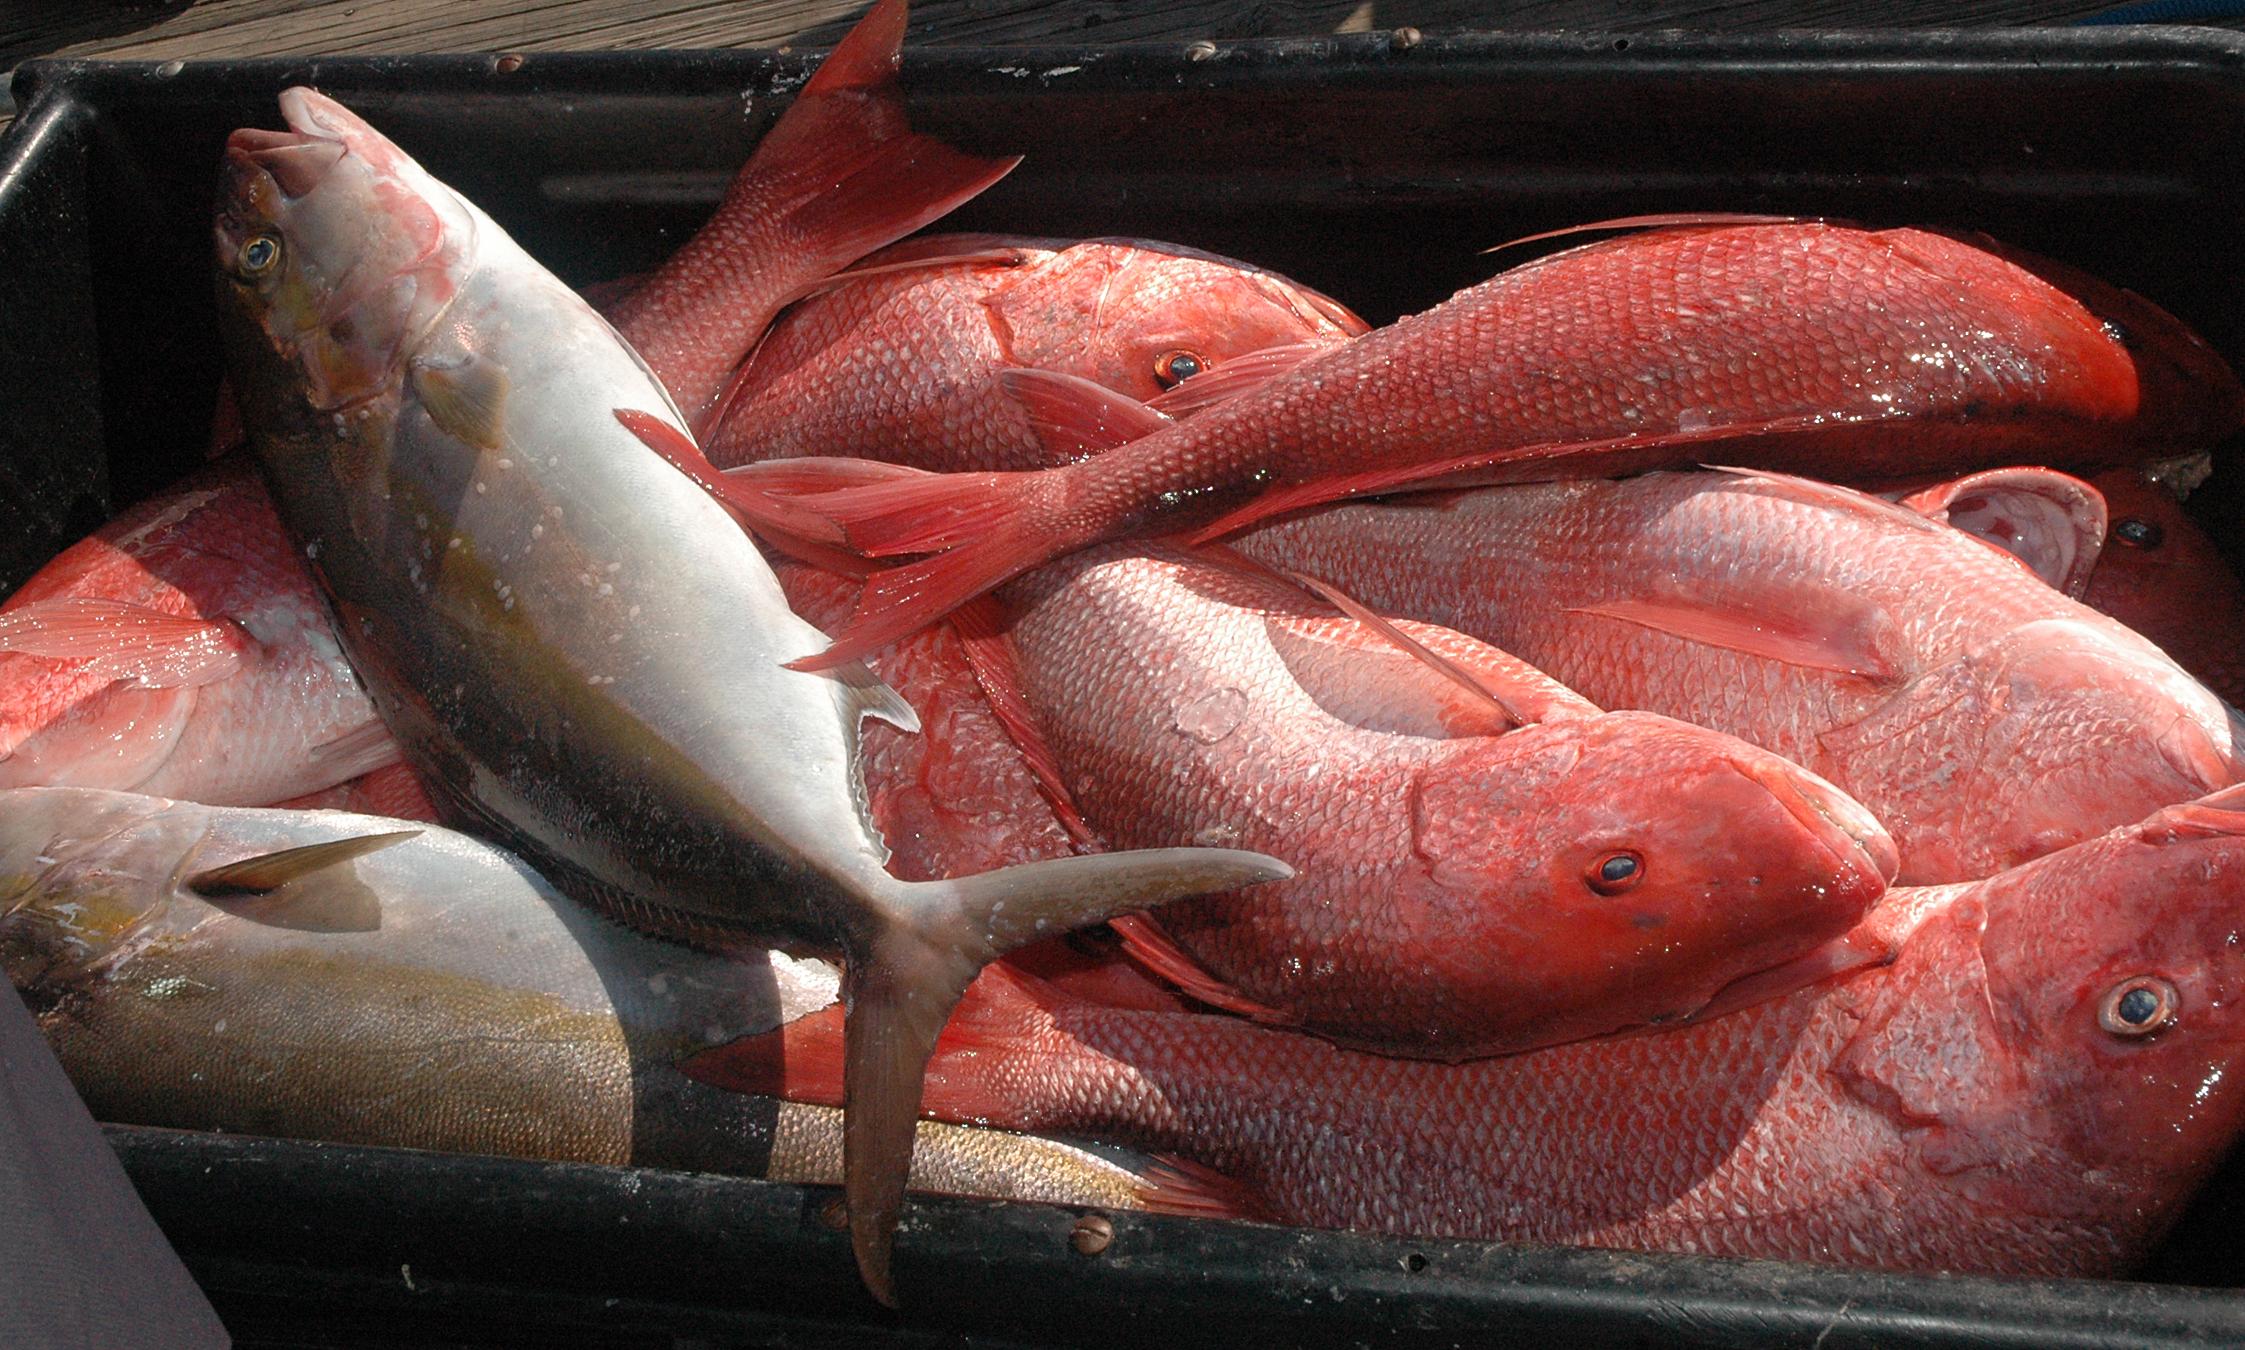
902 988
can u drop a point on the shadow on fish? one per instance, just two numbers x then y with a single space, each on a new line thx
578 650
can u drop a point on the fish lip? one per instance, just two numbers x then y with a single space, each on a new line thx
1874 848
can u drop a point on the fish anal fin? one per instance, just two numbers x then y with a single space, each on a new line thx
1151 946
1798 623
122 641
1073 417
1170 1184
875 698
468 402
311 889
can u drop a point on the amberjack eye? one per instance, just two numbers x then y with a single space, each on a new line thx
1174 368
2139 1006
2139 533
1615 872
259 254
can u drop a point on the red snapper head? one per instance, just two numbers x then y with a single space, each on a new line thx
2062 1044
1142 317
335 251
2162 575
1623 868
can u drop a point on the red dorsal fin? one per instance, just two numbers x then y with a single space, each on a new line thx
1237 376
122 641
1659 221
1152 947
1075 418
1173 1185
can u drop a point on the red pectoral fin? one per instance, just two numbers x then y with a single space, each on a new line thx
1795 622
124 641
1074 418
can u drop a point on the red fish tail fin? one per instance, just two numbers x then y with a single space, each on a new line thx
801 1062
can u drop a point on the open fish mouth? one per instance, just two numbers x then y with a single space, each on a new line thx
1823 809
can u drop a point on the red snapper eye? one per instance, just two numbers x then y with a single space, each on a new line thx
1613 873
2139 1006
2138 533
1174 368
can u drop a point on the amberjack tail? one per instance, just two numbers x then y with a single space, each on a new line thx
901 983
838 176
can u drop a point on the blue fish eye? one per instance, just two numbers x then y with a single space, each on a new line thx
1615 872
2138 1006
260 253
1174 368
2139 533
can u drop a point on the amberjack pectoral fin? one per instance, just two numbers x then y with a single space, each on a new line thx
873 697
309 889
468 402
902 988
123 641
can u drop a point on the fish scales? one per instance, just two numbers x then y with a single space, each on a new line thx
1985 718
901 365
1449 901
579 649
1798 345
1990 1102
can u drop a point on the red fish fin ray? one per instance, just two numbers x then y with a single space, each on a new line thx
1243 373
1829 496
919 514
123 641
767 515
980 624
1171 1184
1073 417
1507 716
1842 640
1661 220
868 56
801 1062
1152 947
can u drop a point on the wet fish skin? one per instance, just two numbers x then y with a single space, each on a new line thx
253 703
1806 346
2162 575
1962 1109
1982 716
575 645
839 175
901 365
1447 901
487 1013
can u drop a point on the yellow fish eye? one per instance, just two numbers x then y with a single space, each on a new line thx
260 254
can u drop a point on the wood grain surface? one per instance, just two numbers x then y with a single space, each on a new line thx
160 31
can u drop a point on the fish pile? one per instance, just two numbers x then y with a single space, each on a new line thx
1507 828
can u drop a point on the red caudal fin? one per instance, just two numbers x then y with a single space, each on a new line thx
839 175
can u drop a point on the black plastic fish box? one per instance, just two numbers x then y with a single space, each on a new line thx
1372 167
